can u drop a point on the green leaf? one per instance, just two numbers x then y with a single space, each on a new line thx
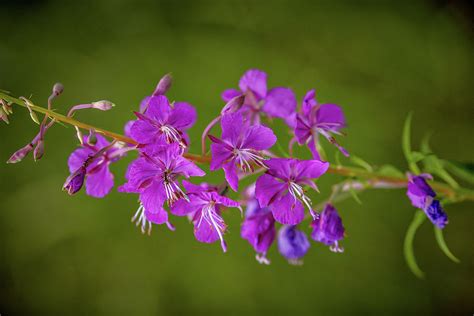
361 163
281 150
390 171
408 251
337 158
321 150
443 246
433 164
464 171
416 156
406 145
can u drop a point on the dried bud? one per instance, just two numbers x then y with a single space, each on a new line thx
102 105
20 154
58 88
75 181
233 105
164 85
4 115
39 150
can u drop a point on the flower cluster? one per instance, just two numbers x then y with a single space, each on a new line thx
281 195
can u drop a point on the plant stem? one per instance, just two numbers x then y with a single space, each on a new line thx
449 192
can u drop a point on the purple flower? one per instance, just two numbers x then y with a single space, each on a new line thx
241 146
96 159
292 244
422 196
281 187
203 207
259 229
315 119
162 123
155 178
277 102
328 228
75 181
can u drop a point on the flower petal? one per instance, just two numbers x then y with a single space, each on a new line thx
183 116
143 132
78 157
310 169
229 94
330 117
153 197
232 126
259 137
159 109
288 210
159 217
100 182
220 154
268 189
231 175
205 233
280 102
255 80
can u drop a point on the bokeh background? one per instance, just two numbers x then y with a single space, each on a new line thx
62 255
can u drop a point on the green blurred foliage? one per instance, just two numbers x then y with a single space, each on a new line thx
64 255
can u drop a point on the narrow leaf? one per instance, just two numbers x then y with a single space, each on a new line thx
443 246
406 145
354 194
433 164
408 251
464 171
390 171
361 163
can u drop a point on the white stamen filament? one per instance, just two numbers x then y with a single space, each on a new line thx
298 193
247 157
172 135
173 191
211 217
140 220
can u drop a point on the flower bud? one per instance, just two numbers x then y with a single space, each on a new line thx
4 115
328 228
292 244
39 150
20 154
233 105
164 85
58 88
92 138
75 181
102 105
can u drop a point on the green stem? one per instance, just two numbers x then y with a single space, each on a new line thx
444 189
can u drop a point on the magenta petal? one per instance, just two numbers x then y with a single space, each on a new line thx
78 157
220 154
205 233
268 189
310 169
143 132
231 175
331 117
187 168
303 129
159 217
181 208
255 80
259 137
153 197
288 210
232 125
222 200
309 101
100 181
159 109
280 102
229 94
183 116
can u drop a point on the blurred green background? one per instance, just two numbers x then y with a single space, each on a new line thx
62 255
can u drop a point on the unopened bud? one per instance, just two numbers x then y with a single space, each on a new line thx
20 154
4 115
102 105
39 150
75 181
233 105
164 85
58 88
92 138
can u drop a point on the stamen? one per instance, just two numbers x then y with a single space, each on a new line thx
247 157
336 248
262 258
209 214
140 220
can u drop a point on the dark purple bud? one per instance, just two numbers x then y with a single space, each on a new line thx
164 85
39 150
58 88
328 228
102 105
419 191
436 214
75 181
292 244
233 105
20 154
